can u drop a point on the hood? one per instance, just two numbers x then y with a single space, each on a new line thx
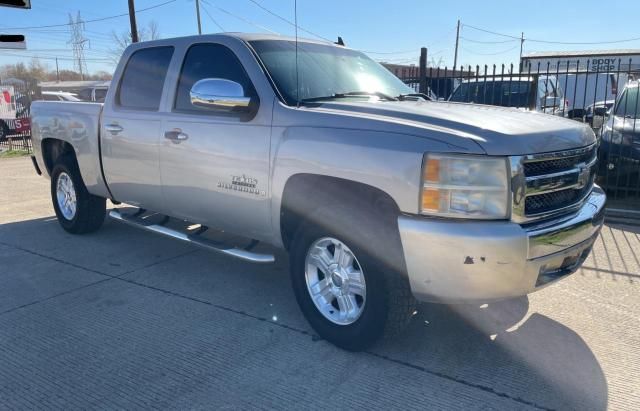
498 130
624 125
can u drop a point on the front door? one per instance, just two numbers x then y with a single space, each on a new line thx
215 165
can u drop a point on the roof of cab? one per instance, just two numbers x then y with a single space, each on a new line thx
240 36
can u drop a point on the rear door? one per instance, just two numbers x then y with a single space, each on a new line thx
130 129
218 174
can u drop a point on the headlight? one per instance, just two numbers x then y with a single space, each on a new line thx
465 186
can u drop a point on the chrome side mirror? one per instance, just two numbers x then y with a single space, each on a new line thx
219 94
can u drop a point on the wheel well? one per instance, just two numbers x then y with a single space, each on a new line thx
305 193
53 149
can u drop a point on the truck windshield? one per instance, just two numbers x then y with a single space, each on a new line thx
325 71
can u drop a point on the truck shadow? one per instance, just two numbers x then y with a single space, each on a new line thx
503 348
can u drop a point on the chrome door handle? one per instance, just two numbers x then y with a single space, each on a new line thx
113 128
176 136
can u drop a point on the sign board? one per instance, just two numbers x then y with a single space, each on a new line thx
22 4
23 125
12 41
585 63
7 103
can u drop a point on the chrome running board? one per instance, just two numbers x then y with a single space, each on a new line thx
241 253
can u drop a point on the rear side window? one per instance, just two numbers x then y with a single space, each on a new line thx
143 78
209 61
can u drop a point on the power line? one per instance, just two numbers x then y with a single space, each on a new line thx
288 21
211 18
584 42
491 32
487 42
552 41
48 57
490 54
212 4
91 20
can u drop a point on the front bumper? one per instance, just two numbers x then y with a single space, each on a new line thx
465 261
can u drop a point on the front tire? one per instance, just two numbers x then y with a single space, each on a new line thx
348 281
77 210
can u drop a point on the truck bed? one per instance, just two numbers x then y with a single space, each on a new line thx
79 125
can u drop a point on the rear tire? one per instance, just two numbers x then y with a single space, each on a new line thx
77 210
387 304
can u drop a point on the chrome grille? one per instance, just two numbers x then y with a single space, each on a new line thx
537 168
547 184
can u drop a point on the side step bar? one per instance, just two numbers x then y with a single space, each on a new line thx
243 254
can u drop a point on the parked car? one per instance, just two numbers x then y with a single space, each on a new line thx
595 114
583 89
535 93
95 94
620 140
59 96
380 200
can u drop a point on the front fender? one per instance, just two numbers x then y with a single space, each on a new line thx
387 161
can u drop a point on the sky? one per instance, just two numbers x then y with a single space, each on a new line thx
388 30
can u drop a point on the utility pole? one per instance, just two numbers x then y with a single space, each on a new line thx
423 71
455 56
521 46
132 20
198 15
57 71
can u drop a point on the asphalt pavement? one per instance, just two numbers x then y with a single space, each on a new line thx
126 319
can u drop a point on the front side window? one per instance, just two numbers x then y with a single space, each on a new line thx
209 61
143 78
324 71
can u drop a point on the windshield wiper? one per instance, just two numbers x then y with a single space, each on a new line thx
350 94
403 97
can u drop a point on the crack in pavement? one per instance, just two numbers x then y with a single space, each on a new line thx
438 374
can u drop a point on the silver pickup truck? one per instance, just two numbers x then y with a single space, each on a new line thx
380 197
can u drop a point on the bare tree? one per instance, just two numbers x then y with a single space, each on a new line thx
123 39
34 70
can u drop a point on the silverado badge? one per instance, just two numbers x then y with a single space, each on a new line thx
242 184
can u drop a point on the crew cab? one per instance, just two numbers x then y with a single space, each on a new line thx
381 197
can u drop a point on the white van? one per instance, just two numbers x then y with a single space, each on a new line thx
584 89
